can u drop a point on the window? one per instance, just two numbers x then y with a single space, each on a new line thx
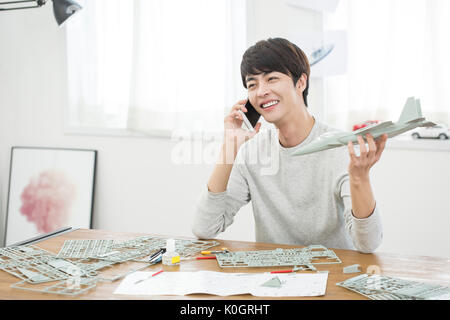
396 49
154 66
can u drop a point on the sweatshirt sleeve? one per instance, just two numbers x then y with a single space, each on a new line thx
215 211
367 233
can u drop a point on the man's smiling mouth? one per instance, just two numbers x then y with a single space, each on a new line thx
269 104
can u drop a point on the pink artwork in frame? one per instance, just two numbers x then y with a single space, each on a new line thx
49 189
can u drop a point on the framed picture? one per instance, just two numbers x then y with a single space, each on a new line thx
49 189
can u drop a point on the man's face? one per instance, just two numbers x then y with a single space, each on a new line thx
273 95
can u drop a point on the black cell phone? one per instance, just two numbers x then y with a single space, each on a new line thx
251 114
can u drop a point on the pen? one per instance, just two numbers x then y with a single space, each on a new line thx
295 269
287 271
157 256
155 274
199 258
282 271
223 250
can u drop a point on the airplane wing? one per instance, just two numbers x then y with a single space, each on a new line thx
428 124
371 128
415 120
425 124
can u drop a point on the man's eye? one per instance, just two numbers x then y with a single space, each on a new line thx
250 85
272 78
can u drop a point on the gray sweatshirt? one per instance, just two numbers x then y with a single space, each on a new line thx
299 200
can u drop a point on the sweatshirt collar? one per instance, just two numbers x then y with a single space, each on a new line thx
311 136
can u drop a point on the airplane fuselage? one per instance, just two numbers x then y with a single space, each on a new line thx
342 138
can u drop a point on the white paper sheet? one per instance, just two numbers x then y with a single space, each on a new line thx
223 284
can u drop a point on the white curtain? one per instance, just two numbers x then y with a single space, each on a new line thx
155 66
396 49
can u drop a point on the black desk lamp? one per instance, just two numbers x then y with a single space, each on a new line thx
62 9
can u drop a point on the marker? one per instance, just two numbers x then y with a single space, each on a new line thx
155 274
204 258
157 256
199 258
223 250
295 269
282 271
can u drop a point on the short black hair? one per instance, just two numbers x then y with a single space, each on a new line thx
276 54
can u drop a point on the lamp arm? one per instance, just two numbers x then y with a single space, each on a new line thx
62 9
39 3
11 2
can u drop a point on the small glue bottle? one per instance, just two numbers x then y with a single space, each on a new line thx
170 257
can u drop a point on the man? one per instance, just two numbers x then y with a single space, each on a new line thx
321 198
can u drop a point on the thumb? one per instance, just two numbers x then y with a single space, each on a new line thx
257 127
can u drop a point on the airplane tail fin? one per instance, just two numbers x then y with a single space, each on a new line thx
411 110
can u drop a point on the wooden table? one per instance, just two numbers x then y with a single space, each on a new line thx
416 268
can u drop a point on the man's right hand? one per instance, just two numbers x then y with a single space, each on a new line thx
234 133
234 137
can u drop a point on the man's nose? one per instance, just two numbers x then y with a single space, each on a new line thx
263 89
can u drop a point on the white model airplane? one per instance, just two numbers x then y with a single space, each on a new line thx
410 118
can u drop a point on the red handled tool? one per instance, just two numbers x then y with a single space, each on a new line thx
199 258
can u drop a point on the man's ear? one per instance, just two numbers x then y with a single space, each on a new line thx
301 82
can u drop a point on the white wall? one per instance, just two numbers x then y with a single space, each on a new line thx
138 187
412 190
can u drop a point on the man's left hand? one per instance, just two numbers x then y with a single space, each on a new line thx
359 167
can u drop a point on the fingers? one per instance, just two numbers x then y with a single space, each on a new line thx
372 152
351 151
364 152
237 115
240 105
369 155
234 113
257 127
381 143
233 120
362 147
372 147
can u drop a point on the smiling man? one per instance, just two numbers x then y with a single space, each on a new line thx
321 198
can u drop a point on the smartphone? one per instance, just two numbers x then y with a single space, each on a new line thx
250 117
